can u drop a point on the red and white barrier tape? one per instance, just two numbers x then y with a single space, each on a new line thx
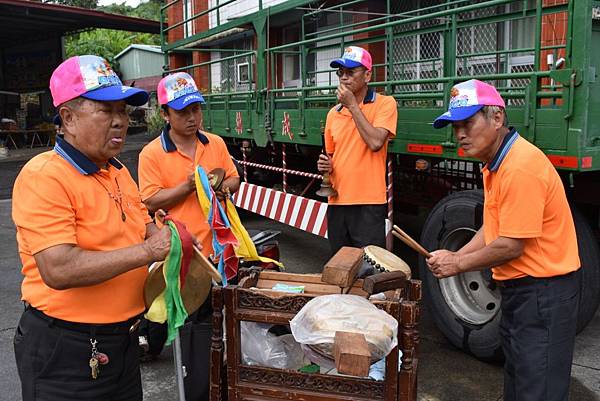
280 170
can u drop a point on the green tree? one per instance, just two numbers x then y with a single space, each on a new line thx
106 43
147 10
76 3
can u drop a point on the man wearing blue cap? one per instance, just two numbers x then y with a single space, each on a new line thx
85 240
166 178
528 238
356 137
166 165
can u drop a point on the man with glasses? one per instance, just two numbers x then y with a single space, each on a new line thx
356 135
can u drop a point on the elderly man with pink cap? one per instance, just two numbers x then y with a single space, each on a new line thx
85 239
357 130
527 238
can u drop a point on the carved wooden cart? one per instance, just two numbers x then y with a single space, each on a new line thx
238 381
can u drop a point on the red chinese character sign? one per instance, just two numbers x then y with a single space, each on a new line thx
286 127
239 125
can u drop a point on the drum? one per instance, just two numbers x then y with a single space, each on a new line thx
379 260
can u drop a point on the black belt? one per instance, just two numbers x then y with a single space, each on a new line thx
126 327
527 280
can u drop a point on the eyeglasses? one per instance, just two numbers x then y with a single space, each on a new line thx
350 72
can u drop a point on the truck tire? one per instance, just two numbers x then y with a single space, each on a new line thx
589 255
466 308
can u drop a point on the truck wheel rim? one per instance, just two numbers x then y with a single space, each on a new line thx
469 295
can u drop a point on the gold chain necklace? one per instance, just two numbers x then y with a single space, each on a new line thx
118 199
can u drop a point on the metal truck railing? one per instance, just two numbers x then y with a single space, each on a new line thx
421 49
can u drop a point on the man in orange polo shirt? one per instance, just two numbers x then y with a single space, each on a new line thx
166 178
528 237
166 165
356 137
85 239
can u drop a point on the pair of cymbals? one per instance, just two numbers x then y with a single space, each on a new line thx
196 287
216 177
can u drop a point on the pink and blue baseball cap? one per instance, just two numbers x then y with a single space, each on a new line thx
467 99
353 57
178 91
93 78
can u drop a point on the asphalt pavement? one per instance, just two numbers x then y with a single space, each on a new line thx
445 373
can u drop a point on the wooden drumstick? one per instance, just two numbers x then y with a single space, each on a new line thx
214 273
404 237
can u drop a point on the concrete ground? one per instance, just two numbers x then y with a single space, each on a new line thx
445 373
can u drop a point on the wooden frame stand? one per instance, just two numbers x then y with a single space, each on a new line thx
252 300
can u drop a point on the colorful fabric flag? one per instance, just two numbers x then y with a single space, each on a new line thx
231 241
168 306
223 238
187 249
176 313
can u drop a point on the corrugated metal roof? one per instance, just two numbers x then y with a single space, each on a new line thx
23 20
146 48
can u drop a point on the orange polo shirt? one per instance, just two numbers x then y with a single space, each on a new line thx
525 198
61 197
359 173
162 165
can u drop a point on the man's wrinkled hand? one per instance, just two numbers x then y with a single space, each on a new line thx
443 263
159 245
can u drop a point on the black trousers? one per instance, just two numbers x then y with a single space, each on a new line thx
538 335
53 363
356 225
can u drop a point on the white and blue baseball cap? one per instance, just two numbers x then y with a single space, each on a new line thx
467 99
178 91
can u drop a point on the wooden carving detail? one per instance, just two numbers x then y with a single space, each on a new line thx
317 383
255 300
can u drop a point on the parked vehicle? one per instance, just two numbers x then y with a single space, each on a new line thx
268 86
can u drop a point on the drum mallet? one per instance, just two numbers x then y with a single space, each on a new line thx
404 237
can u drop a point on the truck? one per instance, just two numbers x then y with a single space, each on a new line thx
263 68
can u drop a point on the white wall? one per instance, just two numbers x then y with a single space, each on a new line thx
215 71
236 9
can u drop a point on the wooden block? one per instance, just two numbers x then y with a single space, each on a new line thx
384 281
351 353
342 268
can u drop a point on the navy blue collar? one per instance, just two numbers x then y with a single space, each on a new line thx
169 146
507 143
369 98
77 159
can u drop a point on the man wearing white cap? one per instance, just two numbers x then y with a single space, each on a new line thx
528 239
85 239
356 137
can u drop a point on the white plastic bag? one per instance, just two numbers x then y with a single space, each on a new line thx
321 317
259 347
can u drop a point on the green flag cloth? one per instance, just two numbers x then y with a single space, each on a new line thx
176 313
